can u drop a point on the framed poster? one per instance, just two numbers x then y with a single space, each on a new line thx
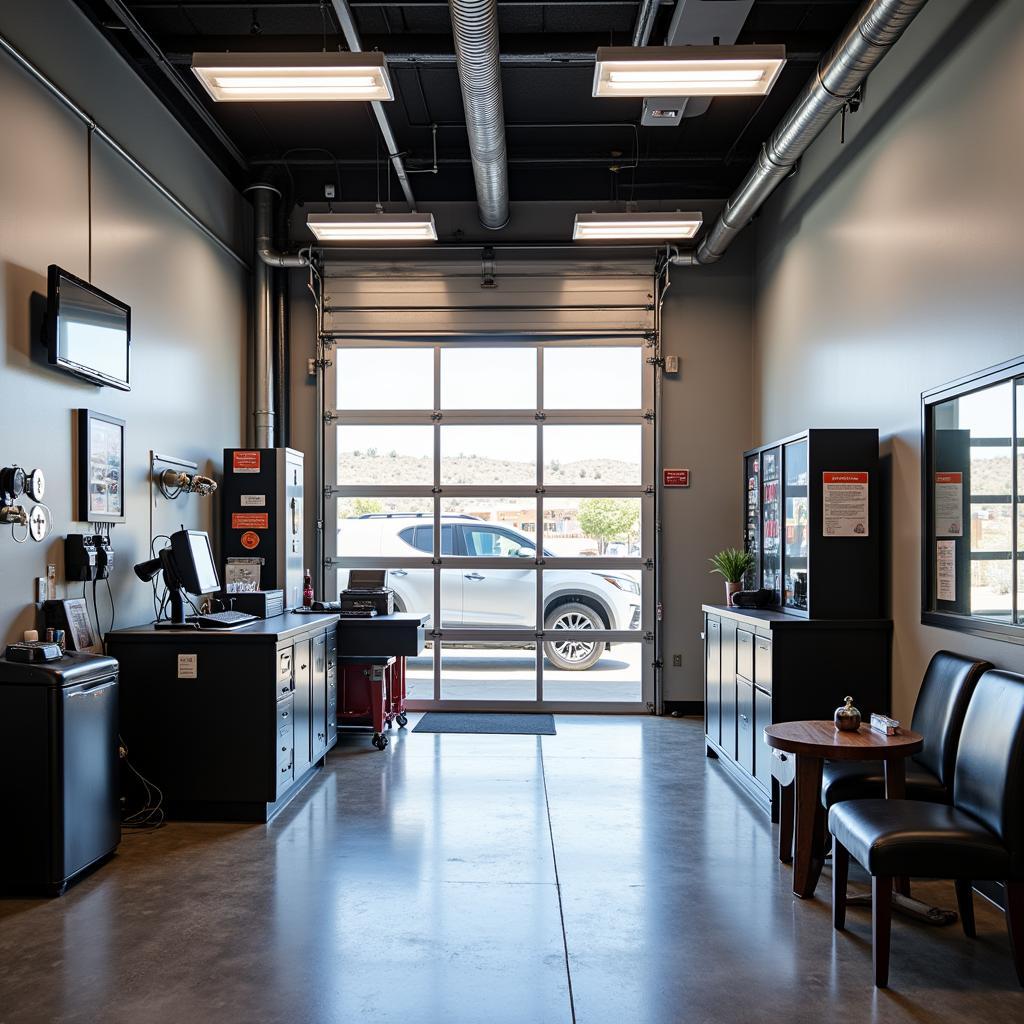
100 468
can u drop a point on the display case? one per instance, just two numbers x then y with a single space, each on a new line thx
811 521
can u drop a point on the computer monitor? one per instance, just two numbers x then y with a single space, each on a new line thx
193 562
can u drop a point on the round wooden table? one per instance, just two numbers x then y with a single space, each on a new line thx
814 742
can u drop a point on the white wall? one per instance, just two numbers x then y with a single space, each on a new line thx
188 298
895 264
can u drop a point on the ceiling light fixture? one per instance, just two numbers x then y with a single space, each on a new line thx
372 227
658 227
295 77
687 70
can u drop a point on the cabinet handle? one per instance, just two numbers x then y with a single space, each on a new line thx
744 718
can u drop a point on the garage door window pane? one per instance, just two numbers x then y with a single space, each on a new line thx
385 378
593 456
593 378
368 527
488 455
488 378
585 599
373 456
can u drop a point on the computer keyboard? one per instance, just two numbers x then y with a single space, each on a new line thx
222 620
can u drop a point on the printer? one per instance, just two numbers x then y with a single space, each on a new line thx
367 594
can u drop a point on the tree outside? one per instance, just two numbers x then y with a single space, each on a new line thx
608 519
353 507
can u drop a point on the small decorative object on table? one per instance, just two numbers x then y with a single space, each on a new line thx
732 565
847 718
885 725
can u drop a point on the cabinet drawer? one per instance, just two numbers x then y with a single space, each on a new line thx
763 663
284 671
745 724
744 654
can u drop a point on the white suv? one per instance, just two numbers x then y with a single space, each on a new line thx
576 599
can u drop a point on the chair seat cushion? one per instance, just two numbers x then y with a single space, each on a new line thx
860 780
913 837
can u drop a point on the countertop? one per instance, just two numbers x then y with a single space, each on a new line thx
276 629
773 619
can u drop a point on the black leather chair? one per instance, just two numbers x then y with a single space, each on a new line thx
939 713
980 836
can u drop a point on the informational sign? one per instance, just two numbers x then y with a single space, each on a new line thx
245 462
949 504
945 570
253 500
250 540
250 520
242 575
188 666
676 477
845 504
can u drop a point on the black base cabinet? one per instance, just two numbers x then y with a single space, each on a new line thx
764 667
230 725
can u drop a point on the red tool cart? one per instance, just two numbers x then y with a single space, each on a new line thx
372 694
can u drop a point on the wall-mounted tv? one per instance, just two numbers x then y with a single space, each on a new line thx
88 333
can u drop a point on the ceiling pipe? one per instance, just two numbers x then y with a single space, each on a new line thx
475 27
863 44
645 21
351 34
263 202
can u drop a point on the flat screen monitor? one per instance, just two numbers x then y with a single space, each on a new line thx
88 333
193 562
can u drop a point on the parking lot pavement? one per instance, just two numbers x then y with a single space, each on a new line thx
488 674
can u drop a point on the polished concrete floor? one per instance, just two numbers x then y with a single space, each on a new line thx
607 874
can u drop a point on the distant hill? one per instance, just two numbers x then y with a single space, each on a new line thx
383 469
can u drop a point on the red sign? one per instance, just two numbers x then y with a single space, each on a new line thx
245 462
949 478
844 478
250 521
676 477
250 540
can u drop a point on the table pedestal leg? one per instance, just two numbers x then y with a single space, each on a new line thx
810 853
896 789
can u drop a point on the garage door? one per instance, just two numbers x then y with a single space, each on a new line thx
492 448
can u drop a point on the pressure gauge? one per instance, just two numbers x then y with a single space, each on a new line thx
12 481
39 523
35 484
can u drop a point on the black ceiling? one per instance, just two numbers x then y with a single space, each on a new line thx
563 144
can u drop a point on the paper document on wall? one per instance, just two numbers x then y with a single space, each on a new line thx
945 570
845 501
949 504
242 575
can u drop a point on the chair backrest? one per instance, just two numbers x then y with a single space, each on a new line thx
941 705
989 781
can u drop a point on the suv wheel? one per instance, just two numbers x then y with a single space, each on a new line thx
573 655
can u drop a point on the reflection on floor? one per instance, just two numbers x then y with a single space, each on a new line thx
496 674
607 874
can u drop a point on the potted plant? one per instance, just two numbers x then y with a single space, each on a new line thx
732 565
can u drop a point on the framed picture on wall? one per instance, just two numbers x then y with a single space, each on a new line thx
100 468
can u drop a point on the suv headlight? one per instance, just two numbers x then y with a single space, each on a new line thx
623 583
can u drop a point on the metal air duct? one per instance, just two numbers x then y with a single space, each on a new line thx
475 27
865 41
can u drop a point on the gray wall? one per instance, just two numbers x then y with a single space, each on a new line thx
188 298
895 263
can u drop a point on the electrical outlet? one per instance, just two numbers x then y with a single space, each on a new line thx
328 191
40 589
51 582
677 661
671 364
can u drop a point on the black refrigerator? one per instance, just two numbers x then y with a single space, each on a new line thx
60 810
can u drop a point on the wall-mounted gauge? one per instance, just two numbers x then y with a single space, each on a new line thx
12 481
35 484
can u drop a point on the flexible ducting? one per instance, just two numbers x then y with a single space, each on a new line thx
866 40
475 27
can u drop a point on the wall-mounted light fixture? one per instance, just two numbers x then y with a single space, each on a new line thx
372 227
687 70
293 77
658 227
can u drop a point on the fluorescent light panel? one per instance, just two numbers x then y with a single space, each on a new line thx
372 227
292 77
635 226
687 70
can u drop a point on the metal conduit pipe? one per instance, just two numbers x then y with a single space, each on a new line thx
355 45
645 21
475 27
863 44
262 318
